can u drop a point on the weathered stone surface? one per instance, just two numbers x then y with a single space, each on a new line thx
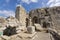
18 29
12 21
49 15
31 29
38 27
3 22
24 36
21 15
40 19
5 38
42 36
0 38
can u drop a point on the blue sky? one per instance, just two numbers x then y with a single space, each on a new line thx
8 7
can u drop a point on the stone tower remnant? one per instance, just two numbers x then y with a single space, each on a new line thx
21 15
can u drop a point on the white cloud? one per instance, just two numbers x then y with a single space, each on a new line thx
43 4
29 1
7 1
7 13
52 3
34 0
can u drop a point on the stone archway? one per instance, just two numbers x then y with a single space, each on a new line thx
40 21
44 25
27 22
35 20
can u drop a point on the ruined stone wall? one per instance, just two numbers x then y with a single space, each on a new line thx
49 14
3 22
39 15
21 15
55 15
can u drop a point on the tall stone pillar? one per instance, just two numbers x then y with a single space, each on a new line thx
21 15
30 28
30 22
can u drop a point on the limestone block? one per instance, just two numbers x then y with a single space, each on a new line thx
38 27
26 35
31 29
12 21
18 30
21 15
5 38
0 38
23 28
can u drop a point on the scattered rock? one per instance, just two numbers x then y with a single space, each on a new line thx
12 21
3 22
31 29
38 27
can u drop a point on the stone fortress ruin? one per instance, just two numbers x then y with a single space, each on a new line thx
35 25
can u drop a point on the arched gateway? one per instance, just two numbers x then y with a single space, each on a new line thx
35 20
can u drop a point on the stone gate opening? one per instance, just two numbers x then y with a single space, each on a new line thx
35 20
44 25
27 22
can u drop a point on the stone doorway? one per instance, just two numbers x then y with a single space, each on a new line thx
35 20
44 25
27 22
40 21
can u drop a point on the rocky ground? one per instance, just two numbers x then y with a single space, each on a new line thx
42 36
36 36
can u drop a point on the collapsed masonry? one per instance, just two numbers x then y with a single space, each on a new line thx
37 19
